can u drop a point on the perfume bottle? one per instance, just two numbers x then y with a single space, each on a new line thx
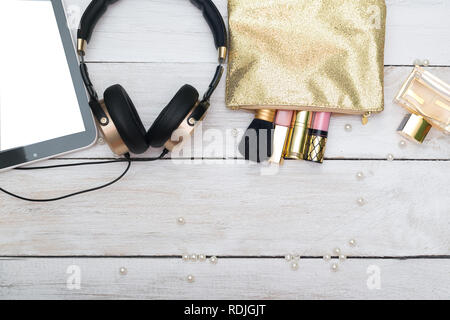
428 99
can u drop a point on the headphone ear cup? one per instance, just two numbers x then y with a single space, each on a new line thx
126 119
172 116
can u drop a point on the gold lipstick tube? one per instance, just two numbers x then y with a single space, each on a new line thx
298 135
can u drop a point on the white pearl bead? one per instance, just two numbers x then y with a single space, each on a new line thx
296 257
334 267
201 257
360 175
234 132
288 257
327 257
213 260
190 278
348 127
185 257
193 257
402 143
101 141
352 243
337 251
294 266
426 62
361 201
342 257
417 62
123 271
390 157
181 221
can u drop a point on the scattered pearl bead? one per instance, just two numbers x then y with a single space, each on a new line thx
348 127
213 260
185 257
190 278
361 201
426 62
181 221
101 141
402 144
334 267
352 243
234 132
296 257
294 266
417 62
123 271
194 257
327 257
288 257
337 251
360 175
390 157
201 257
342 258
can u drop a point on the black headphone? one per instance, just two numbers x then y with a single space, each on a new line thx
116 114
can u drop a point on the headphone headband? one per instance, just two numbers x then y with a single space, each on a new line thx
97 8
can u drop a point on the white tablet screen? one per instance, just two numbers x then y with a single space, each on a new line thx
37 96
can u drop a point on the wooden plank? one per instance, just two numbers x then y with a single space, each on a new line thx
415 29
232 208
229 279
151 86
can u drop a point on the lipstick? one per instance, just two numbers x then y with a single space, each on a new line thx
318 135
298 135
280 135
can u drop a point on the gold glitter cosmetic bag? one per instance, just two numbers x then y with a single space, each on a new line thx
318 55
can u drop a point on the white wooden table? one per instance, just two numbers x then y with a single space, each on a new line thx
233 210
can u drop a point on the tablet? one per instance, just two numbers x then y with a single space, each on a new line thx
44 109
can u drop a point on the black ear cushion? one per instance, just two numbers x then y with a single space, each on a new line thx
126 119
172 116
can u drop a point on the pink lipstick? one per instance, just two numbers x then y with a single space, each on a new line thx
318 135
282 124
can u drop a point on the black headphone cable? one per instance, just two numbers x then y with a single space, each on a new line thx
127 159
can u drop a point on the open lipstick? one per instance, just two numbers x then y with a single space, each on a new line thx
318 135
282 125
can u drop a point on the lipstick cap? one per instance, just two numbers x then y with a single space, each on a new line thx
298 135
316 148
415 128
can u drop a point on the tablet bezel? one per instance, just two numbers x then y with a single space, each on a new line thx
47 149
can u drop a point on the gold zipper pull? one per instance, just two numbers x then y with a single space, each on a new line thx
365 118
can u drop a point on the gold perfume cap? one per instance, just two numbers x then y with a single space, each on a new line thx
298 135
415 128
